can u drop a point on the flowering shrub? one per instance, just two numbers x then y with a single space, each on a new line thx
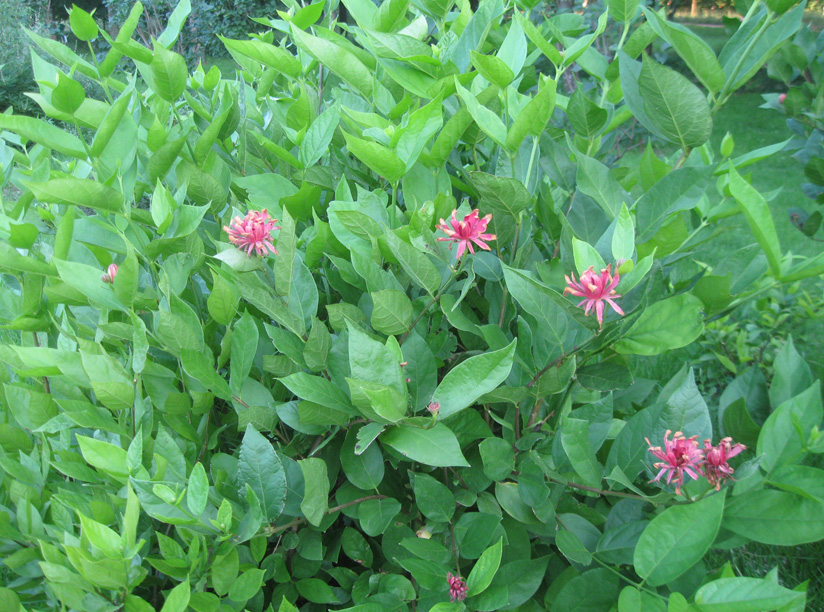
345 410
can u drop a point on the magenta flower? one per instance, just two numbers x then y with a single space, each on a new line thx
680 455
253 232
109 274
595 289
457 587
465 232
715 465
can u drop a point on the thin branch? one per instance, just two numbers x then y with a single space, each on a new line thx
299 520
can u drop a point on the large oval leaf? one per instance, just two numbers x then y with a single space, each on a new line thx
677 538
471 379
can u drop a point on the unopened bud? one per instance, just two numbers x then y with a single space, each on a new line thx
423 533
434 408
108 276
781 98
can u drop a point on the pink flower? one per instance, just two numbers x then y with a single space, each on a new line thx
108 276
457 587
595 289
715 462
680 455
465 232
781 98
253 232
434 408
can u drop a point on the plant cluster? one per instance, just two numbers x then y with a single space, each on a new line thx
800 66
298 338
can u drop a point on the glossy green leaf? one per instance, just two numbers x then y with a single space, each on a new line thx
665 325
678 538
484 569
436 446
260 467
758 215
472 378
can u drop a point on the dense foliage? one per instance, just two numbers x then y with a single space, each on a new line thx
300 336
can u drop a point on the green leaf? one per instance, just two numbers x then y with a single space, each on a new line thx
391 312
365 469
505 198
260 467
175 23
43 133
422 126
533 117
223 300
786 430
791 374
633 600
82 24
678 190
498 458
316 350
696 53
316 497
197 493
472 378
339 60
437 446
244 348
200 365
379 158
623 238
178 598
267 54
757 212
663 326
106 457
743 595
492 69
78 192
484 569
415 263
595 180
168 73
105 539
623 11
69 95
677 539
775 517
488 121
585 116
376 515
317 138
575 441
246 585
586 256
433 498
572 548
676 106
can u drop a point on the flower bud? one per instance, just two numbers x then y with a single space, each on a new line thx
434 408
108 276
781 98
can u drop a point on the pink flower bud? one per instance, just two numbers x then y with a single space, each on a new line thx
457 587
434 408
781 98
409 380
108 276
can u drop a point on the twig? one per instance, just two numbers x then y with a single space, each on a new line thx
299 520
